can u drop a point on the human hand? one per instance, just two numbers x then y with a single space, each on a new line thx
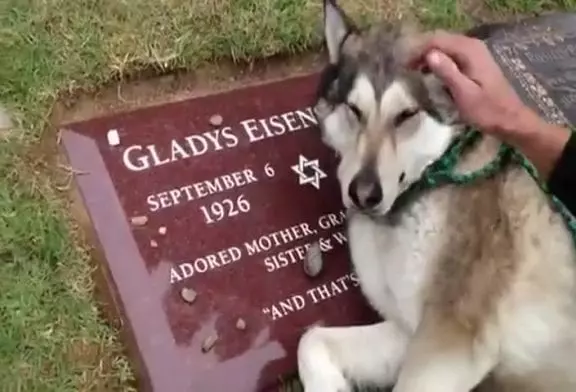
486 100
482 94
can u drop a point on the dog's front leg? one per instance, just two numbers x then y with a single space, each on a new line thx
444 357
329 359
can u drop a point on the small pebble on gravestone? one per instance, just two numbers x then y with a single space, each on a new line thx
313 261
162 230
216 120
153 244
188 295
209 343
113 137
241 324
139 220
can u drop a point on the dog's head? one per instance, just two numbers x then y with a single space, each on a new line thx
387 122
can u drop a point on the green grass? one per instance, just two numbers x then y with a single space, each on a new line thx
52 337
529 7
446 14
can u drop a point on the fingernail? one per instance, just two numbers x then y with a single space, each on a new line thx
434 58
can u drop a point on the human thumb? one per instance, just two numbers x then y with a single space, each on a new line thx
447 70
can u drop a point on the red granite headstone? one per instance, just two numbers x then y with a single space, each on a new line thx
204 227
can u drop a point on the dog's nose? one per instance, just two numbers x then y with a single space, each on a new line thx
365 190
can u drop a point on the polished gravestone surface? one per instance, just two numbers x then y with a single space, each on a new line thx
538 56
204 209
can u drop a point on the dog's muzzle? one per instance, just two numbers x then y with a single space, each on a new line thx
365 190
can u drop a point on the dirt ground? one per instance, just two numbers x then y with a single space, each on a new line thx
178 86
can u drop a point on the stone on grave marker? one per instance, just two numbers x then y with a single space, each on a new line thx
209 343
113 137
241 324
216 120
188 295
140 220
313 263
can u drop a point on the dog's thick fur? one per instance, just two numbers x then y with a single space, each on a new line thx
476 283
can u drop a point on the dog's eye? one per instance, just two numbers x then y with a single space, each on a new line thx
404 116
355 110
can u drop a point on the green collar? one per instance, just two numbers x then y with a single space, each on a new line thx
443 172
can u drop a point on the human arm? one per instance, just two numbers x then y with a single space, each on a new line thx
486 100
544 144
552 151
562 179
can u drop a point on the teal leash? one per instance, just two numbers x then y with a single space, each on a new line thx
443 172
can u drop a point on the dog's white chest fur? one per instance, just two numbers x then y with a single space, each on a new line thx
393 262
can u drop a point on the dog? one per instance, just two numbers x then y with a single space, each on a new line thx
475 283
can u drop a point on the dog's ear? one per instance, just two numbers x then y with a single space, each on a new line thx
433 96
337 27
441 99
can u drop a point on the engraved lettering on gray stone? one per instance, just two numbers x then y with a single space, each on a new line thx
568 100
543 83
570 74
559 83
553 54
554 82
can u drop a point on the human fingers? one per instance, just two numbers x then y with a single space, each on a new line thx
447 70
443 41
416 56
460 48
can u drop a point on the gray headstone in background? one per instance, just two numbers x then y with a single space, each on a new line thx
538 55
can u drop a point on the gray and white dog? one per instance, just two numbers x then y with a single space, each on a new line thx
476 283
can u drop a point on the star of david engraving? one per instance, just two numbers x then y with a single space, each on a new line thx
308 171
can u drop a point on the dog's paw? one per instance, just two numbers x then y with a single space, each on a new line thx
317 371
